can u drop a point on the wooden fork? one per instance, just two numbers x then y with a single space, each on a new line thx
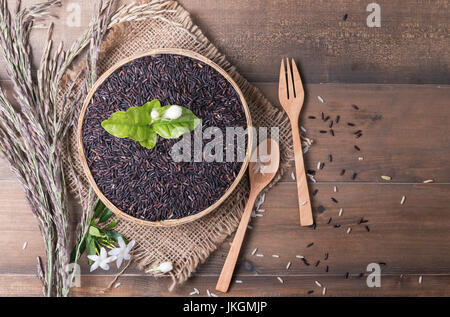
291 96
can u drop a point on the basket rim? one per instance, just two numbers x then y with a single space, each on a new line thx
87 171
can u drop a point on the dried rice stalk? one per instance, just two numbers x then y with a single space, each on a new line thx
34 123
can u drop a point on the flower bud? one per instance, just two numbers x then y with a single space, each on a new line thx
165 267
173 112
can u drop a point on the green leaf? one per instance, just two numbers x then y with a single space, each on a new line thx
150 142
91 247
105 216
174 128
99 208
114 235
135 123
138 124
95 232
112 224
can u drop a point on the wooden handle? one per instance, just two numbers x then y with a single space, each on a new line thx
227 271
306 218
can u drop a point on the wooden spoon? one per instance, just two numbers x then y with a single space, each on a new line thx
261 173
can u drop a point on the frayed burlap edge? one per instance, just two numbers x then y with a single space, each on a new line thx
208 233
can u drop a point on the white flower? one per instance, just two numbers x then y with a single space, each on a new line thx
165 267
173 112
101 260
154 114
122 252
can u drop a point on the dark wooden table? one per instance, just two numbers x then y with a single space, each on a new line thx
398 76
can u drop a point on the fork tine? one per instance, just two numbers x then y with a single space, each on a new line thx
290 83
297 80
282 88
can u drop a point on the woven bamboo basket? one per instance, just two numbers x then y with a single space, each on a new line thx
170 222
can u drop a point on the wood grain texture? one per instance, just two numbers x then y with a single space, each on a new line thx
411 46
405 135
406 131
390 240
432 285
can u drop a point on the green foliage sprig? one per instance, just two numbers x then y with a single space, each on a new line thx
99 234
144 123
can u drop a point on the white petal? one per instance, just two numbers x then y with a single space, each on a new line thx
114 251
94 266
119 262
103 253
111 259
126 256
121 242
93 257
104 266
130 245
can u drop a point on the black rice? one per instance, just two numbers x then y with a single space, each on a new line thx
147 183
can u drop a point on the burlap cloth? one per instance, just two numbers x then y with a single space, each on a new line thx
188 245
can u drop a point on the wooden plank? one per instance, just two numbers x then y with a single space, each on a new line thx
405 132
409 47
432 285
409 238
